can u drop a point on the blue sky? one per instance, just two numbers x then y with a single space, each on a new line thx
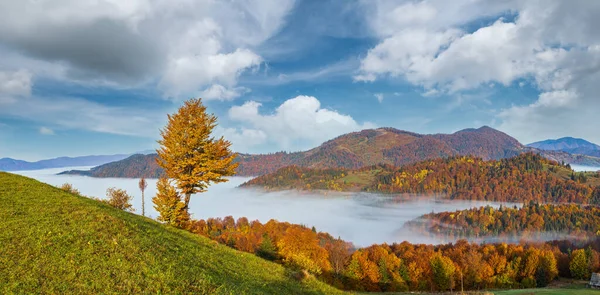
99 77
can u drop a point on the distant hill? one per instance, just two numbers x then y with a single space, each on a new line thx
8 164
134 166
570 145
54 242
526 177
364 148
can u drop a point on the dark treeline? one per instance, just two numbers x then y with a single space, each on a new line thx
524 178
529 221
404 266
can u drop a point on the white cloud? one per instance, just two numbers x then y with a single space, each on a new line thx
46 131
15 83
379 97
298 123
185 45
552 45
186 74
220 92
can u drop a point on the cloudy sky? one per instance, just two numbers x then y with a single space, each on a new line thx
82 77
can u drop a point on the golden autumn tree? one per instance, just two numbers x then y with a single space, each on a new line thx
168 204
189 153
300 247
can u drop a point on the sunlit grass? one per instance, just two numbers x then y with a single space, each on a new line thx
59 243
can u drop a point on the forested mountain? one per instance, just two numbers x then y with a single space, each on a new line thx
387 146
135 166
568 144
522 178
8 164
365 148
531 220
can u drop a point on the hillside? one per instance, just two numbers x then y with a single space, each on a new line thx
530 221
570 145
8 164
54 242
527 177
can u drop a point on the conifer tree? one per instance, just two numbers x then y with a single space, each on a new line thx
190 155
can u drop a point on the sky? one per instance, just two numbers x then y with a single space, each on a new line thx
82 77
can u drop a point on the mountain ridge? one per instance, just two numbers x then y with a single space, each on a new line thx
570 145
10 164
367 147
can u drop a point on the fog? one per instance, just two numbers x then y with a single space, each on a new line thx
581 168
360 218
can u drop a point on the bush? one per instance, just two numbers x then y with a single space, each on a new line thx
69 188
119 199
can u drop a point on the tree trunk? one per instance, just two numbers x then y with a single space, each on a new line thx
143 205
187 201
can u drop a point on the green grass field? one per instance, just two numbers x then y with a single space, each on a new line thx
53 242
560 288
576 289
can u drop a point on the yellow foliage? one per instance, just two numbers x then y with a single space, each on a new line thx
300 247
169 205
189 154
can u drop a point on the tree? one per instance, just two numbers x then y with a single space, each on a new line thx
189 154
266 248
119 199
547 269
168 204
143 185
300 247
579 265
443 272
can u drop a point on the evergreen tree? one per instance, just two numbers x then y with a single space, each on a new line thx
267 249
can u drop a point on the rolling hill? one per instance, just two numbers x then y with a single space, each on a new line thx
570 145
54 242
526 177
359 149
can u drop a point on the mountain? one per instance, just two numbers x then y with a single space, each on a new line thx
570 145
54 242
387 146
364 148
8 164
352 150
134 166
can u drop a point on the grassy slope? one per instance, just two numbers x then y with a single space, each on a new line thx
55 242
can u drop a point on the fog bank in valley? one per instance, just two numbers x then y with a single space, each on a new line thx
581 168
361 218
